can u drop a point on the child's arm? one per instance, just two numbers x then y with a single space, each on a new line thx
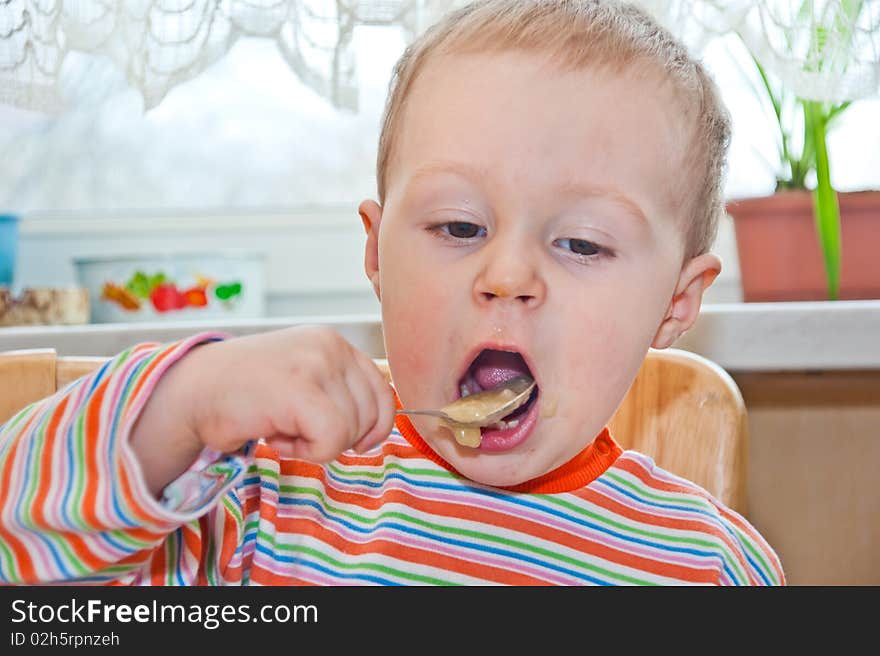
76 504
309 392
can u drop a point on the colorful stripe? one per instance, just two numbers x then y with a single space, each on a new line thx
76 509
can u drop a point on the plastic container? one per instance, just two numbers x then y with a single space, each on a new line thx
8 248
174 286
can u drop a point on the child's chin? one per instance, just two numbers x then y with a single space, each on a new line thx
494 472
493 478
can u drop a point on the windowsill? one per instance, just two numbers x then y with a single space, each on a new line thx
788 336
364 331
737 336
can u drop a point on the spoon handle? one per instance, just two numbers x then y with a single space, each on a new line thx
442 415
430 413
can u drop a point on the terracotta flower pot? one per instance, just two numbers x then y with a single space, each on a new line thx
779 254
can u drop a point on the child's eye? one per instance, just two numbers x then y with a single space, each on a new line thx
460 230
581 247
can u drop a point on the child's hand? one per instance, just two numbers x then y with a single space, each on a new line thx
307 390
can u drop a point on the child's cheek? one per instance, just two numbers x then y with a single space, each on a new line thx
416 334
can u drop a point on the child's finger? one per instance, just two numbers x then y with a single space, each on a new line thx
318 426
383 402
365 400
347 393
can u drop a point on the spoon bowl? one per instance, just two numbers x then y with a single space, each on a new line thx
483 408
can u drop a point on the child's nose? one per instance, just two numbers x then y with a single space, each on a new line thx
508 275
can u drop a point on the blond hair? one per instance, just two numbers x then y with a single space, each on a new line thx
577 34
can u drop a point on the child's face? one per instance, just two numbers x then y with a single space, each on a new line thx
530 210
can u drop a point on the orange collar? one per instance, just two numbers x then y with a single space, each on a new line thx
584 468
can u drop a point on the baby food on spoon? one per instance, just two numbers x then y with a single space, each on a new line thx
487 408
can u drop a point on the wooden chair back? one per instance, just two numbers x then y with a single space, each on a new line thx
682 410
688 414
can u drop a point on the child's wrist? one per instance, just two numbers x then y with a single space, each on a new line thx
189 396
165 436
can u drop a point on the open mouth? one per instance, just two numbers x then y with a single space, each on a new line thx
489 369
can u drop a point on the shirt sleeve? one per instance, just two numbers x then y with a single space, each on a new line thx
753 562
75 504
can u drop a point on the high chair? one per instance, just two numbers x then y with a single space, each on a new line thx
683 410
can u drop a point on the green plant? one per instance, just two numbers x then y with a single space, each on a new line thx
804 124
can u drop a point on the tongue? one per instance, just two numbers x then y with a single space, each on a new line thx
492 368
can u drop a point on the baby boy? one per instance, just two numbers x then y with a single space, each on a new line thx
549 184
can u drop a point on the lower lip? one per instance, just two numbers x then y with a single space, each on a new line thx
494 441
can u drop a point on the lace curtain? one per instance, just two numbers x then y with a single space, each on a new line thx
826 50
822 49
162 43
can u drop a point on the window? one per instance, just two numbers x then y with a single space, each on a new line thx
247 133
247 138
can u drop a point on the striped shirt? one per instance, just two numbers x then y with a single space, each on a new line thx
76 508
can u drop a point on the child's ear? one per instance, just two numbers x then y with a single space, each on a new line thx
371 215
695 278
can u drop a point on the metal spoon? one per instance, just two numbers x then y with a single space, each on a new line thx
483 408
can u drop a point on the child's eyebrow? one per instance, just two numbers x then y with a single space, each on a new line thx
612 194
442 166
570 187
